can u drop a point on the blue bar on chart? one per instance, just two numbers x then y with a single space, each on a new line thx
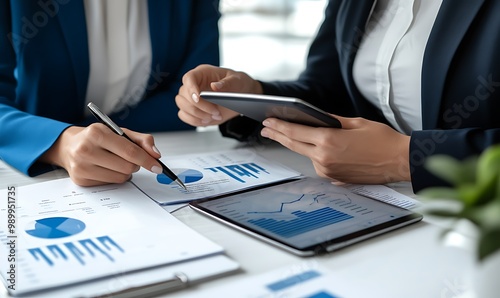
305 222
321 294
101 246
240 170
293 280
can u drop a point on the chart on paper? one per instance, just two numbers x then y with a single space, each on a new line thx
68 234
211 174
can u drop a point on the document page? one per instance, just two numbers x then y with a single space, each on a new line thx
303 280
57 233
211 174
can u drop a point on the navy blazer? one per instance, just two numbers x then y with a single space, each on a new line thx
44 70
460 79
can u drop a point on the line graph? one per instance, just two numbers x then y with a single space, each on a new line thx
285 203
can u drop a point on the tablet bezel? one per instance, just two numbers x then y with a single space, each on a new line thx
318 248
260 107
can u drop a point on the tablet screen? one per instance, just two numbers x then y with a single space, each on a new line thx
307 216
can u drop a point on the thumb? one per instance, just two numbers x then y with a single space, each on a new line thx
222 85
235 82
347 123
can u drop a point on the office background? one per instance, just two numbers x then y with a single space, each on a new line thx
268 39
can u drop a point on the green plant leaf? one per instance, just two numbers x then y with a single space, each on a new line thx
477 194
468 193
488 164
489 243
468 170
486 217
445 167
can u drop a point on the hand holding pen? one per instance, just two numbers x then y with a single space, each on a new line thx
103 118
95 155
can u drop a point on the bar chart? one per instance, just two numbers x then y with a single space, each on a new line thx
239 172
305 222
83 251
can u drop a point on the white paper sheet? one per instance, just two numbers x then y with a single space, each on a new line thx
211 174
304 280
384 194
66 234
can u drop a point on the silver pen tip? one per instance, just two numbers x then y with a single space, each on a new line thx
181 184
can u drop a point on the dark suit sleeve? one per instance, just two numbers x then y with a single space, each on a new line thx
158 112
23 137
321 83
457 143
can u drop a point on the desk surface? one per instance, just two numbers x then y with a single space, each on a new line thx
411 262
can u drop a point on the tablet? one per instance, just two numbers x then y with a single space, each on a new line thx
260 107
308 216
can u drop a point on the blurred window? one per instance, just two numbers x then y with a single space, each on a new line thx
268 39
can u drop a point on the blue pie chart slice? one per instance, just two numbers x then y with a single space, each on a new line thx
55 227
185 175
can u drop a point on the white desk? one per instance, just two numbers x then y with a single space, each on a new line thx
411 262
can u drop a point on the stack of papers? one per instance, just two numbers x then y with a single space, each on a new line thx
61 234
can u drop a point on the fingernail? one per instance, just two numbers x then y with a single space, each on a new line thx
264 133
266 123
156 150
206 121
195 98
217 117
156 170
217 85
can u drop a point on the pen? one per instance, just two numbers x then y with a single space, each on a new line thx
109 123
178 281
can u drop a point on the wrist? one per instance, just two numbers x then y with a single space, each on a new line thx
403 160
257 87
54 155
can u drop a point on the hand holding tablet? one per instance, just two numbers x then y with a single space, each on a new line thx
259 107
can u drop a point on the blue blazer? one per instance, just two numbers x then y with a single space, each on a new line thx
460 79
44 70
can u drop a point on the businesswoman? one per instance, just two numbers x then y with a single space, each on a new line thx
421 77
127 56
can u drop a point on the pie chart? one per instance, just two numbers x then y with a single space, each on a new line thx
185 175
55 227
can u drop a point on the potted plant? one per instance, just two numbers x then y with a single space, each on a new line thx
475 192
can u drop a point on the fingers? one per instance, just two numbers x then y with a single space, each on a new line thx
296 137
95 175
124 152
198 112
145 141
363 151
275 128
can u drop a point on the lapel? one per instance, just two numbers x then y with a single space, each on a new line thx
451 25
73 26
350 31
351 22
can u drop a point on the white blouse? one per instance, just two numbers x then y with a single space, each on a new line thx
119 51
388 66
